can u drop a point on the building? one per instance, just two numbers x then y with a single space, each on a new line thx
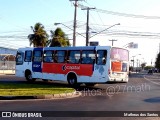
7 58
4 50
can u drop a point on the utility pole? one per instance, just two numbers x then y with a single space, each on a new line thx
133 62
87 24
112 41
75 21
159 47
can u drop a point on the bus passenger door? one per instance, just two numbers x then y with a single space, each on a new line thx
19 64
37 63
101 66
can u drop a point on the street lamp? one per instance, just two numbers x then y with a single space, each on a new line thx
70 29
128 44
133 59
105 29
63 25
88 33
100 32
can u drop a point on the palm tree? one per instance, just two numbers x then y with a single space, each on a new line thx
39 37
59 38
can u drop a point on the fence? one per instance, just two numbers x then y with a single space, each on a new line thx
7 63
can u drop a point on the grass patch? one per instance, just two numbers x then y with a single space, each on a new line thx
24 89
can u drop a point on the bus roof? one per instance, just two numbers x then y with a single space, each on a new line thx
70 48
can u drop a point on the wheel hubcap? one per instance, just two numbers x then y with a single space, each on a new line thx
72 81
30 76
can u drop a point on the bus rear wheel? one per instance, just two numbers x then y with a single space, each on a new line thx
28 76
90 84
72 80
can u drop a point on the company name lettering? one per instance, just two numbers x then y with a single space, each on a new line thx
36 66
73 67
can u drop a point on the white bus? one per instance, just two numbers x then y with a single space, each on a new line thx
75 65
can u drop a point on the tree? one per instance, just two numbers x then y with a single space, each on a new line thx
39 37
157 63
59 38
148 67
143 65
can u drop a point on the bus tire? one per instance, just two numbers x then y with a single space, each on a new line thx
45 80
90 84
72 79
28 76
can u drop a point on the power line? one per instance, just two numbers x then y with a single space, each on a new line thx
126 14
119 32
100 18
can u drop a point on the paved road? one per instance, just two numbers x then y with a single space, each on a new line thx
141 93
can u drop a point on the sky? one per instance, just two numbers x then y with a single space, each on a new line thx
139 22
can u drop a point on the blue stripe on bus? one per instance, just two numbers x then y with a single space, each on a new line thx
37 66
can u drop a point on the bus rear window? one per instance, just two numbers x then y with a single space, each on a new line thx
119 54
19 58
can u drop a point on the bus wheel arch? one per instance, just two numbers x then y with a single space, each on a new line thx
28 76
72 79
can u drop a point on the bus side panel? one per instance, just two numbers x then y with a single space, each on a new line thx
61 68
19 71
21 68
101 72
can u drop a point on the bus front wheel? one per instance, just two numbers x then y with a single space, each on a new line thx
28 76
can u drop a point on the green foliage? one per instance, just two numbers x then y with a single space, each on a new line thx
148 67
157 63
59 38
39 36
23 89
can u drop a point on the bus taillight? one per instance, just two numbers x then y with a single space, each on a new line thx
109 71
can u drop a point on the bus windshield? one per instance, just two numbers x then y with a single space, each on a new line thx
119 54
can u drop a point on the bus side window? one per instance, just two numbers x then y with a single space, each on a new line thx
60 56
28 56
48 56
37 56
88 57
19 58
74 56
101 57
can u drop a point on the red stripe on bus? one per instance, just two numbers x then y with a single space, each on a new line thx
61 68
